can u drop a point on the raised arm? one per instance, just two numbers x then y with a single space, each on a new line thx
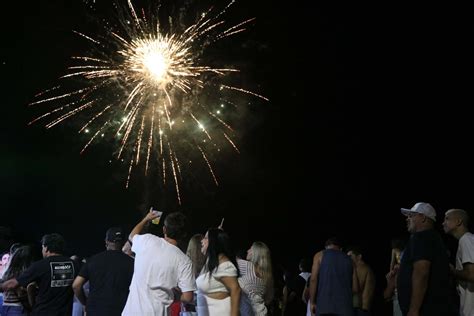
151 215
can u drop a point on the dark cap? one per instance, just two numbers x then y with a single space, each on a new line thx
114 234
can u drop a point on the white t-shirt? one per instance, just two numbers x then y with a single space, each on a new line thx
465 254
159 267
207 285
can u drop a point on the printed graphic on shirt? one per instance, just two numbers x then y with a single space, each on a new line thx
62 274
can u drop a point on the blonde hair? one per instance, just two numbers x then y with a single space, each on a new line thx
262 261
194 253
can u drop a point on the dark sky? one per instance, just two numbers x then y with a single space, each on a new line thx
369 112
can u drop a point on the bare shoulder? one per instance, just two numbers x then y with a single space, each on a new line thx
223 259
318 256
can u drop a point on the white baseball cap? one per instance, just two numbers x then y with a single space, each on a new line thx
421 208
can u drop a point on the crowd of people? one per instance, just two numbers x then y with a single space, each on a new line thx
145 274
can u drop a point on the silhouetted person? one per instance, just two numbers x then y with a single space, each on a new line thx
109 274
160 268
333 281
456 223
54 275
423 277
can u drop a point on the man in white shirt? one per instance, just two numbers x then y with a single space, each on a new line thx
160 268
455 223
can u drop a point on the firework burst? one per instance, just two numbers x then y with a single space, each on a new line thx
145 87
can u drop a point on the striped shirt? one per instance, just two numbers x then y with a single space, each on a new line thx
253 287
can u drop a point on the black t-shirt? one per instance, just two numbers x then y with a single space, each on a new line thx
54 276
109 274
295 305
426 245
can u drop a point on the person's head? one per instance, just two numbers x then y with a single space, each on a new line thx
217 242
194 253
397 247
21 259
455 222
114 238
304 265
53 244
397 244
259 255
421 216
355 253
333 243
175 226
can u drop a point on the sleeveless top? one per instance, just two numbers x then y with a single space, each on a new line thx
334 295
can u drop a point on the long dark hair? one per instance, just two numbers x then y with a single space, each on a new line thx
219 244
21 259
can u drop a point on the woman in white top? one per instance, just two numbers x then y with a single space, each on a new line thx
256 278
218 290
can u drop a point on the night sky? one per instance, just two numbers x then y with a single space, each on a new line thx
369 112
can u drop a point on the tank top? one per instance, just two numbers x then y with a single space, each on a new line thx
334 294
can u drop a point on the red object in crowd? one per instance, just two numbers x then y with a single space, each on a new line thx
175 308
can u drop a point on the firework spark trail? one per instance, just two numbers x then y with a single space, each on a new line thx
70 113
139 139
201 126
51 112
246 91
208 165
225 9
174 174
94 118
60 96
232 143
87 37
46 91
129 125
92 138
129 173
134 14
139 70
90 59
221 121
150 140
160 135
233 30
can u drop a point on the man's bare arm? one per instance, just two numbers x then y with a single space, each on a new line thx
313 283
466 274
78 290
151 215
419 280
9 284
